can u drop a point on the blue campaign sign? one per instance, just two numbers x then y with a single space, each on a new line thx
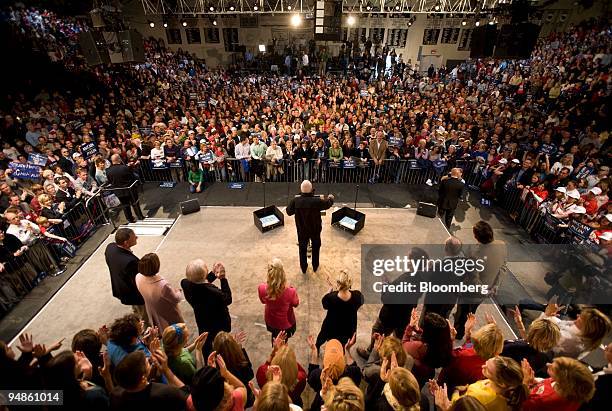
167 184
25 171
348 164
235 186
581 230
395 141
176 164
88 149
37 159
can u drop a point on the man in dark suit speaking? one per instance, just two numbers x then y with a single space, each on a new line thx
449 193
307 209
121 177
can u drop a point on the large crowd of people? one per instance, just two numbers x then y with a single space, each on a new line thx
538 127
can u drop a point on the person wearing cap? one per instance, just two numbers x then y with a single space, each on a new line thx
589 202
337 363
307 210
568 207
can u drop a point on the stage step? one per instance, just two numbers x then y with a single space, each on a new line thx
151 226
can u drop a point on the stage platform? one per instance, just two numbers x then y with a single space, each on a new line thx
227 234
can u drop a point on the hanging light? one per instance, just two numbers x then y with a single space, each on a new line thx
463 23
256 7
477 23
184 23
232 7
369 6
214 22
296 20
289 7
211 8
350 20
151 24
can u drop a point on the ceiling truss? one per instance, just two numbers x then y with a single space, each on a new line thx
234 7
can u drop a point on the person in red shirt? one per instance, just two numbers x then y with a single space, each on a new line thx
589 201
466 363
570 384
279 299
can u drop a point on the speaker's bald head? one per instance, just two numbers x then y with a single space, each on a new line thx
306 186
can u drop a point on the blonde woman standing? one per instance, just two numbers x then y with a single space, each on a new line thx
342 305
279 300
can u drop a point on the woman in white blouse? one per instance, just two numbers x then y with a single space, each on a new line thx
274 157
579 336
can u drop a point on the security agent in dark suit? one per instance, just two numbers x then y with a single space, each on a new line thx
123 267
307 209
449 193
120 176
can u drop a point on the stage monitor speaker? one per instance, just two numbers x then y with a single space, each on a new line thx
190 206
516 41
268 218
132 46
427 209
348 219
93 47
483 41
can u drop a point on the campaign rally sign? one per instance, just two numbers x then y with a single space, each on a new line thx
364 93
395 141
548 149
37 159
349 163
88 149
213 102
24 171
580 230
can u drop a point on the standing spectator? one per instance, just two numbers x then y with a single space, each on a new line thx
279 300
123 267
27 232
307 209
342 305
449 193
293 374
209 302
161 300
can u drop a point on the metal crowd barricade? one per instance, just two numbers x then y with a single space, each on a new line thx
110 196
150 172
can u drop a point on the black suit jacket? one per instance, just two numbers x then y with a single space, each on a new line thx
209 304
119 175
123 267
307 209
449 193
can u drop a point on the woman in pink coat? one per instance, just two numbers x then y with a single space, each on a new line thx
279 299
161 300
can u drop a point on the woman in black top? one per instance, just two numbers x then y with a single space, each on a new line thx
535 344
342 305
209 302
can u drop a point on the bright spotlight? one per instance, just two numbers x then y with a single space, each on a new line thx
211 8
369 7
232 8
398 7
151 24
289 7
214 22
165 25
262 48
296 20
350 20
256 7
463 23
437 8
184 23
491 23
477 23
